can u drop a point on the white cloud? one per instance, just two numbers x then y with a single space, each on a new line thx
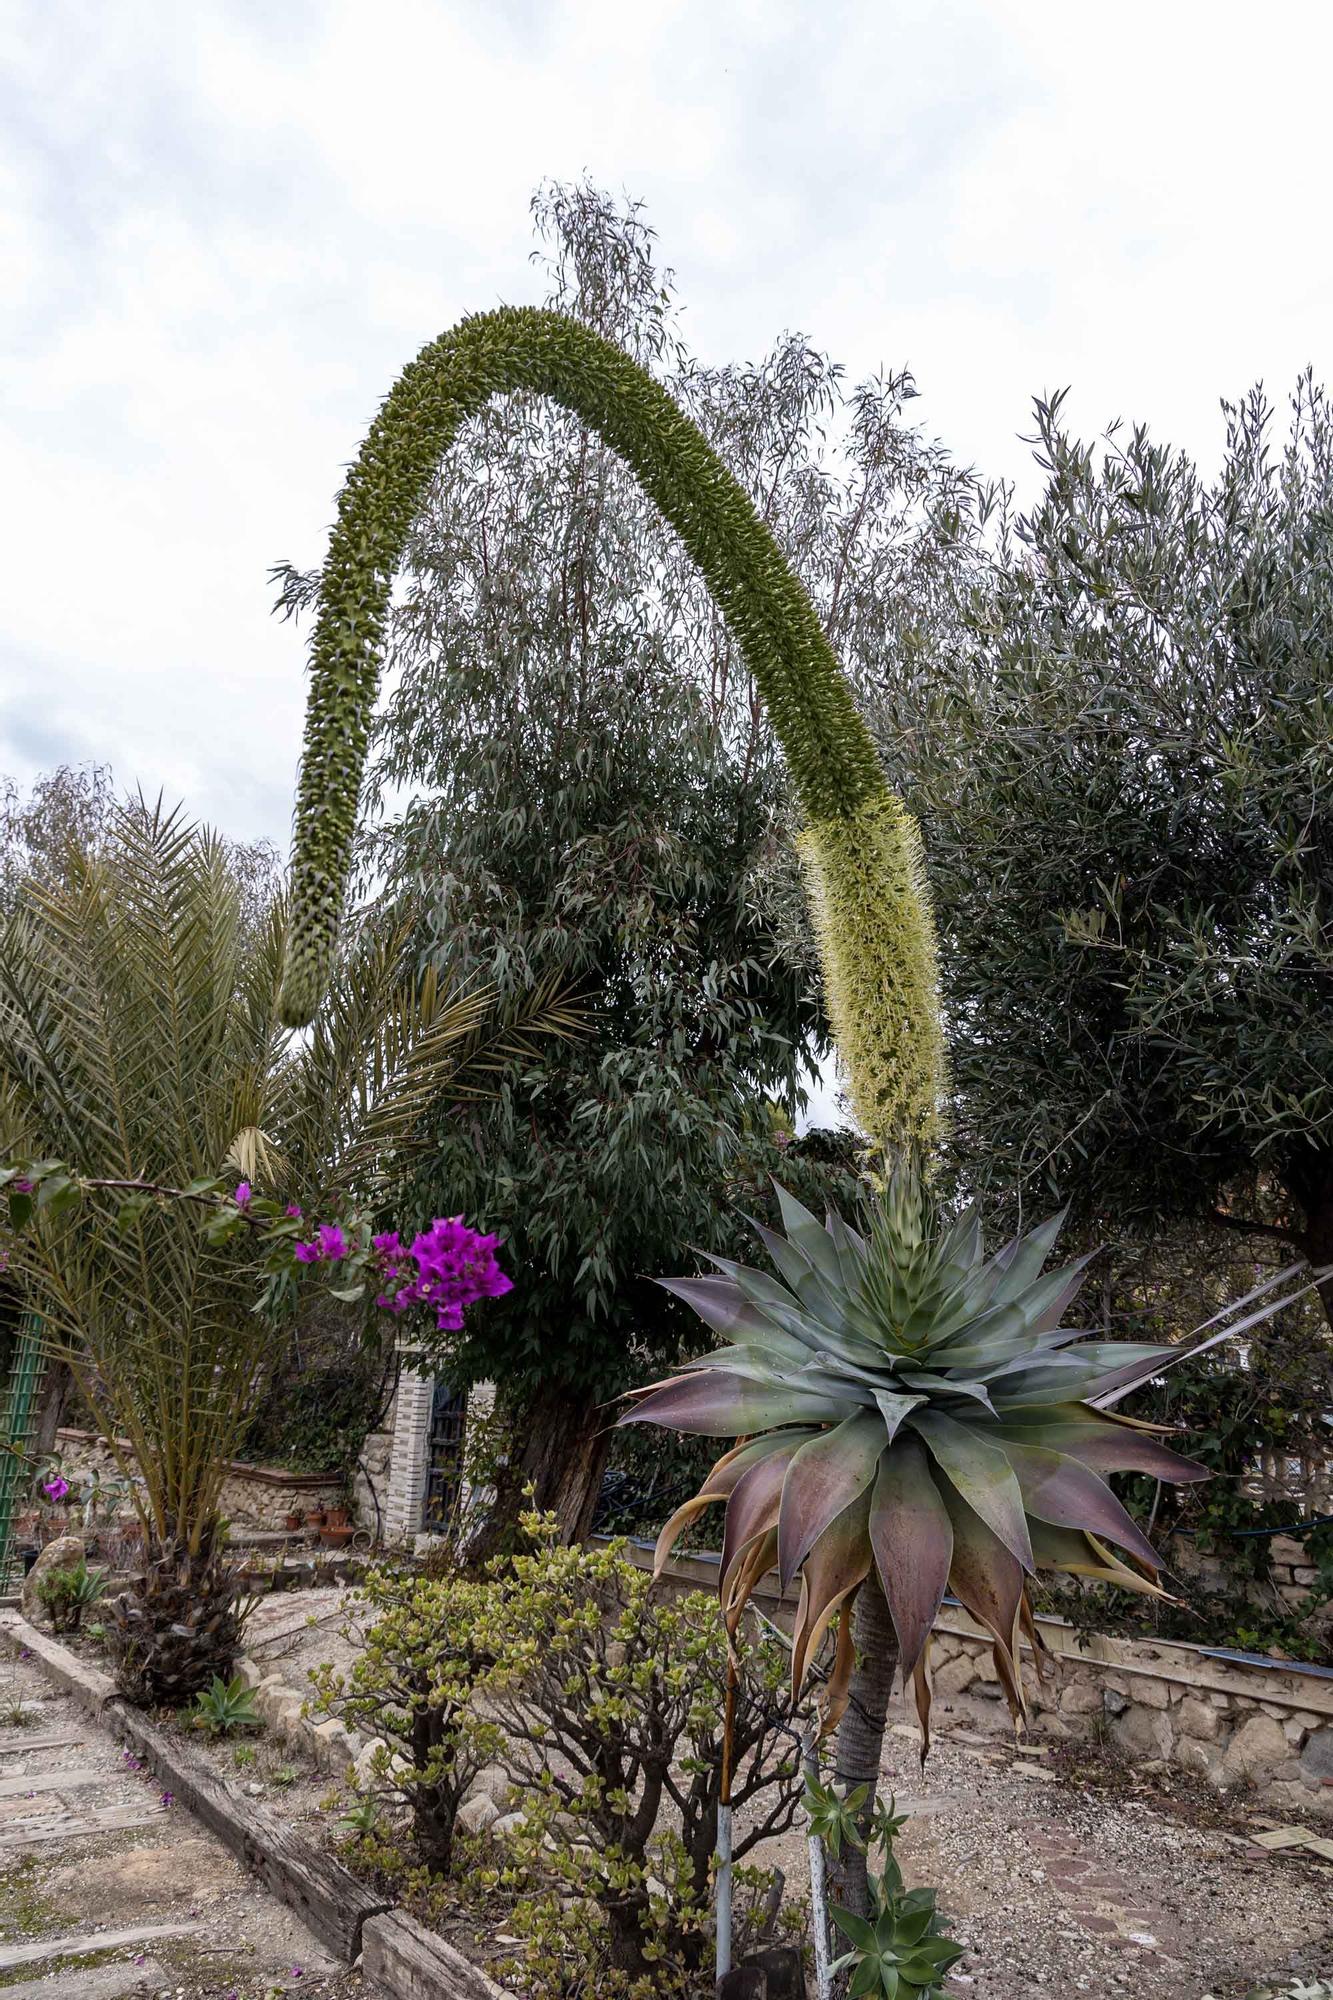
224 227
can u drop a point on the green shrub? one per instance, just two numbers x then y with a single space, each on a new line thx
611 1708
433 1644
224 1706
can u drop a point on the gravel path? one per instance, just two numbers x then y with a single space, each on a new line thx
1067 1880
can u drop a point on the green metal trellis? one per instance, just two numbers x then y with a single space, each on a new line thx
16 1432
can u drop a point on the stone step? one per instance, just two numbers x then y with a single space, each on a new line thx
33 1951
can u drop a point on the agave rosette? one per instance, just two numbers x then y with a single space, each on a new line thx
910 1406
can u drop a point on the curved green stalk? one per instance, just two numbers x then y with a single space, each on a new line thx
861 847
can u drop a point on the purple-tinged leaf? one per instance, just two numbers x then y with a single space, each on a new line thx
753 1508
987 1581
1060 1490
822 1481
838 1564
912 1540
982 1475
714 1405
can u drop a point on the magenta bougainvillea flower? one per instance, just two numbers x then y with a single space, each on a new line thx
55 1489
454 1265
243 1195
293 1208
328 1247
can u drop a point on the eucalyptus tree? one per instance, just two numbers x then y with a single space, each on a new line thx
594 789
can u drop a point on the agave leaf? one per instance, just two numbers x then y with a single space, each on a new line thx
838 1564
987 1581
894 1409
838 1692
982 1475
753 1509
757 1286
936 1386
714 1405
1107 1447
1110 1388
719 1484
1081 1555
756 1564
1021 1260
822 1481
720 1303
851 1251
809 1235
1064 1492
912 1540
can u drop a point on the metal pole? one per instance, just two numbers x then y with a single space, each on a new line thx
724 1842
818 1871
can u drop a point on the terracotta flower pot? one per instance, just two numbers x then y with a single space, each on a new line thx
291 1522
337 1517
336 1536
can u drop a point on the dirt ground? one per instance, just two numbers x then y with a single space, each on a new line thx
1064 1878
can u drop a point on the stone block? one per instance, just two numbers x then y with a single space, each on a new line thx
1199 1719
1205 1758
954 1676
493 1782
1081 1698
365 1760
65 1552
1256 1750
1113 1702
1149 1693
507 1825
1304 1576
1317 1756
477 1813
1144 1734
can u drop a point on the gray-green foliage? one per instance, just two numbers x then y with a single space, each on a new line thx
1124 779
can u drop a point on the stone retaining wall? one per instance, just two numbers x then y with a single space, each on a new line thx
1235 1721
253 1496
1261 1728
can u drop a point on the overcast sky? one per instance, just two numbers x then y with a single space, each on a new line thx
226 224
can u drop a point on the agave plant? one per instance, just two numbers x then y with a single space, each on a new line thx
918 1412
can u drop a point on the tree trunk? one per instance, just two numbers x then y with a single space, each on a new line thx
860 1740
1319 1240
561 1438
56 1385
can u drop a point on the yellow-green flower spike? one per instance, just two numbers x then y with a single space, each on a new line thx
877 944
874 921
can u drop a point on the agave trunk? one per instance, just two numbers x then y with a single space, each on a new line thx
860 1741
175 1627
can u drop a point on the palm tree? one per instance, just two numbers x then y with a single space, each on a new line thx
140 1045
